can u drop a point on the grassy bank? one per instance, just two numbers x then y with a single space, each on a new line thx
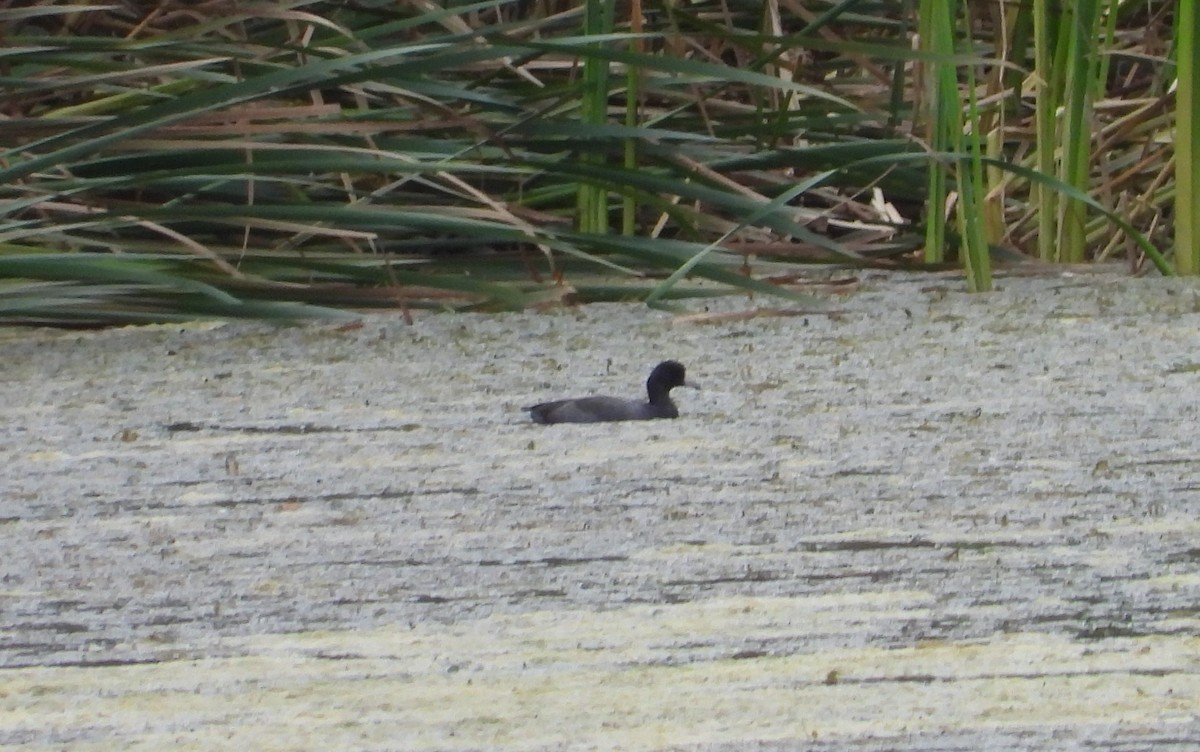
307 157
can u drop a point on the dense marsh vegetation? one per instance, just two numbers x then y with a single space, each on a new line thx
166 161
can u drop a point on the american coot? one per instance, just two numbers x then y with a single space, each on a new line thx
665 377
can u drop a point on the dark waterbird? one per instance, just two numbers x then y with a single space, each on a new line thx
665 377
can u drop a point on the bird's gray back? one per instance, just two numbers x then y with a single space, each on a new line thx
597 410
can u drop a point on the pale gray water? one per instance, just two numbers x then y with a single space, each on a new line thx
932 521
